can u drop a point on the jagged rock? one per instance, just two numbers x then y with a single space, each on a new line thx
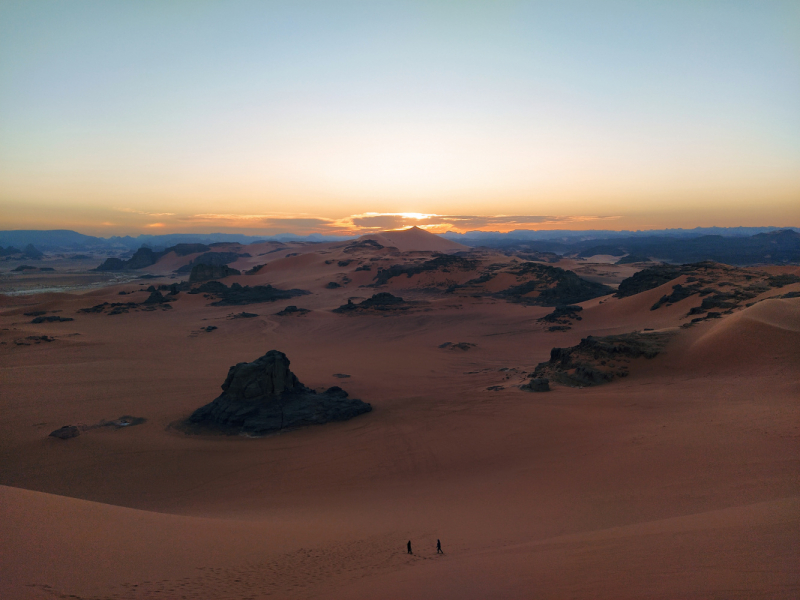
238 294
204 272
155 297
382 301
264 396
538 384
66 432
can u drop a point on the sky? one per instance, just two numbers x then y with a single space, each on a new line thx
347 117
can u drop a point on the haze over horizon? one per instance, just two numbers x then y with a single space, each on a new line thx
345 118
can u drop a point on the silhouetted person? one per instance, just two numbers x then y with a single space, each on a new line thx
439 547
408 547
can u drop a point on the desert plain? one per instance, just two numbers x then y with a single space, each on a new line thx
679 477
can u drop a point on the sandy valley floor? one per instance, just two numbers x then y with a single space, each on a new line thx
681 480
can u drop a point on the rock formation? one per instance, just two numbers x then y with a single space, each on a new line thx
596 360
66 432
538 384
237 294
383 301
203 272
264 396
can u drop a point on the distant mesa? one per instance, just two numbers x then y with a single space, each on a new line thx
204 272
243 315
597 360
22 268
264 396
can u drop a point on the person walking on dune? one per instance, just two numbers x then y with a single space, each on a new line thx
408 547
439 547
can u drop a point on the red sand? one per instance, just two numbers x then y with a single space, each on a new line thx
679 481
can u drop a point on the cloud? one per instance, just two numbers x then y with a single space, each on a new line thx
370 222
145 213
302 222
508 222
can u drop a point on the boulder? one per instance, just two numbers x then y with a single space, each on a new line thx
66 432
264 396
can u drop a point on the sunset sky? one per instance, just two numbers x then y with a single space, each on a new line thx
334 117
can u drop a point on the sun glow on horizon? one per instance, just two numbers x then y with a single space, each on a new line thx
335 119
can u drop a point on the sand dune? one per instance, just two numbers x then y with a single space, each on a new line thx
765 333
679 480
415 239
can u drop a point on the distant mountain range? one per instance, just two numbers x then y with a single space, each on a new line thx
730 245
65 239
778 246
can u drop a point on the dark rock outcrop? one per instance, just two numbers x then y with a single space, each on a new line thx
538 384
51 319
598 360
66 432
143 257
292 310
204 272
264 396
384 301
238 295
551 286
442 262
563 314
214 259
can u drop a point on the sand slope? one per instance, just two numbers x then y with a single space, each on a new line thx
415 239
680 480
